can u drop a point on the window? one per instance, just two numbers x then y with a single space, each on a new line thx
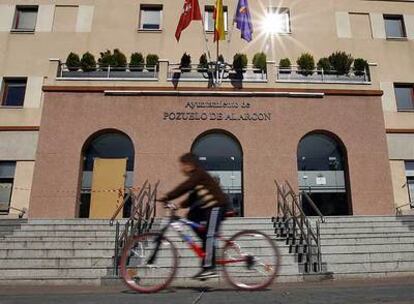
6 184
150 18
277 20
409 172
25 18
209 18
13 92
394 26
404 96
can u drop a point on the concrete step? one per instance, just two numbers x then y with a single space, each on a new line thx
347 235
51 281
364 248
363 218
367 257
31 262
362 230
54 272
368 240
381 266
54 253
16 244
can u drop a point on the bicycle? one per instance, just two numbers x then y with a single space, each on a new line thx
149 262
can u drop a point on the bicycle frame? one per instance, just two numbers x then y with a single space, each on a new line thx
178 225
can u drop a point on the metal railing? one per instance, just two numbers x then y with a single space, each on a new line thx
141 219
298 227
101 72
295 74
215 72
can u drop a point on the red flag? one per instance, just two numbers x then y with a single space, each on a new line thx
191 11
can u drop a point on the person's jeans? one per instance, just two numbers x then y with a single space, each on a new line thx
213 218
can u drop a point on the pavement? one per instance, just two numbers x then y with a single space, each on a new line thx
395 291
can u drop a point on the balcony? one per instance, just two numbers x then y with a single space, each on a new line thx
294 74
222 71
166 74
109 73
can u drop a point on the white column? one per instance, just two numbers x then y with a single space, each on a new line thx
45 17
389 103
22 185
85 18
343 25
6 17
409 26
32 98
377 25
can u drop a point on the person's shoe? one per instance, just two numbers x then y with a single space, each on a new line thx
206 274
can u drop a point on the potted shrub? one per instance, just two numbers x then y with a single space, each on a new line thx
119 60
221 58
259 62
306 64
360 67
88 62
341 62
73 62
106 59
239 62
185 63
285 66
151 62
202 64
136 62
325 65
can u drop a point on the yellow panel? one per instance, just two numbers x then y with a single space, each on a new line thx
108 174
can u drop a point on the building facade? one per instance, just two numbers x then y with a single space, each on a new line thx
346 139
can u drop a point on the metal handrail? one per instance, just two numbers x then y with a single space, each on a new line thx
313 205
295 212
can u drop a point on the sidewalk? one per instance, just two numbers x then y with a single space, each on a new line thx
395 290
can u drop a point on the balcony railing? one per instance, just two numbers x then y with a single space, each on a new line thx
295 74
212 74
221 72
129 72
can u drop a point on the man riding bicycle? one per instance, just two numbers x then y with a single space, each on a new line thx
207 204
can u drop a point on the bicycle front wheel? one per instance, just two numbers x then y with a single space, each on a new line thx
251 260
139 272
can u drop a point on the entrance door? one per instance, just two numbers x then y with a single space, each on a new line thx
322 174
221 155
108 176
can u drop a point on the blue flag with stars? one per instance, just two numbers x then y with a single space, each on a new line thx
243 20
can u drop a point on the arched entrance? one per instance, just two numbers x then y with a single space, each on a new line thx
101 152
221 155
322 170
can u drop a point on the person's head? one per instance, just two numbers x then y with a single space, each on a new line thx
188 163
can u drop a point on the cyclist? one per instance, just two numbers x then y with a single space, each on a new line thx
207 204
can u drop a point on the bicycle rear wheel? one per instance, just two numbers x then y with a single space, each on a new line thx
251 260
136 271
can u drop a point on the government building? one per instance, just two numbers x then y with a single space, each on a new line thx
99 95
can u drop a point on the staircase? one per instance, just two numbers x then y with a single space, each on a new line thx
368 246
80 252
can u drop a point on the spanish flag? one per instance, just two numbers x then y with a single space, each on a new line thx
219 33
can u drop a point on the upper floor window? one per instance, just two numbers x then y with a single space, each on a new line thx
209 18
150 17
7 170
404 95
13 92
25 18
394 26
277 20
